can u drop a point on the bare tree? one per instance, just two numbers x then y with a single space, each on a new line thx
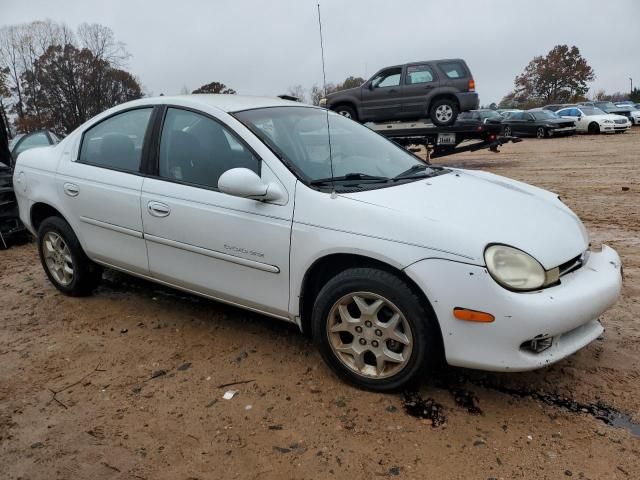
185 90
299 92
100 41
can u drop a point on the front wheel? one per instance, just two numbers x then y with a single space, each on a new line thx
63 259
593 128
443 112
373 331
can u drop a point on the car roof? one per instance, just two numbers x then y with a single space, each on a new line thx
225 102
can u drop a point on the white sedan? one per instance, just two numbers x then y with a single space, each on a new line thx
387 261
634 113
593 120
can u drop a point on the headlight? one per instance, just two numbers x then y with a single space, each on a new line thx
323 102
516 270
607 121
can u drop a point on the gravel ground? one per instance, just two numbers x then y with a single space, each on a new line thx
126 384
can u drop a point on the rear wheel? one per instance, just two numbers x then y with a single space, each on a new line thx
347 111
593 128
507 131
373 331
443 112
541 132
63 259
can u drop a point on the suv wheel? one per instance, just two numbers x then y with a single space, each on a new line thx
347 111
372 330
63 259
443 112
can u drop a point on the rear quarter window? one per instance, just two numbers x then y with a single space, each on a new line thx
453 70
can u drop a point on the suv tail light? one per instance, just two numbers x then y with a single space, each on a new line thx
472 85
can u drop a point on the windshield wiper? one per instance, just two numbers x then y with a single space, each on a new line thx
350 177
417 170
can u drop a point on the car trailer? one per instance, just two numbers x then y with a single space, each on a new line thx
442 141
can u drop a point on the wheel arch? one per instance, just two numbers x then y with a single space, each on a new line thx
41 211
328 266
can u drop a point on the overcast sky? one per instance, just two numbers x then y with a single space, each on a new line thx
262 47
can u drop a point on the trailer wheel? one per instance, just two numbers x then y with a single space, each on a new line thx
443 112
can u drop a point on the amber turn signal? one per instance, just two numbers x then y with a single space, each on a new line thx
472 315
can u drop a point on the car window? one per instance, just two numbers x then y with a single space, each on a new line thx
453 69
38 139
117 141
196 149
417 74
528 116
387 78
516 116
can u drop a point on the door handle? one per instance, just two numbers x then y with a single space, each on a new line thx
71 189
158 209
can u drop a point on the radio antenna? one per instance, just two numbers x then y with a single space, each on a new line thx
324 86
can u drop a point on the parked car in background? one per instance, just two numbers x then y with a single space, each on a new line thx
634 113
610 107
435 89
481 116
593 120
39 138
554 107
509 111
198 193
538 123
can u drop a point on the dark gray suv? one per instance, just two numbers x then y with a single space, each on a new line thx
438 89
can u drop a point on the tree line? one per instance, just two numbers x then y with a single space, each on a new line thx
560 76
52 77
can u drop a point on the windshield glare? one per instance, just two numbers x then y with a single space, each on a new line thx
592 111
299 134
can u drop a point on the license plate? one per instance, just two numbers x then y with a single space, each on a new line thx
446 139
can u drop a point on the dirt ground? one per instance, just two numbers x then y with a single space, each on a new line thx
125 384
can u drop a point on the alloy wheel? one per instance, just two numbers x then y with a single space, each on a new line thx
344 113
507 131
540 132
58 258
369 335
444 113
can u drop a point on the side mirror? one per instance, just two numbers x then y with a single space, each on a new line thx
370 85
242 182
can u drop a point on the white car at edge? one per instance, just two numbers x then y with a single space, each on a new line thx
593 120
386 261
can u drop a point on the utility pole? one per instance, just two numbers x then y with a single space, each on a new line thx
631 80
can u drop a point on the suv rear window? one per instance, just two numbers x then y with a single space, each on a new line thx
453 69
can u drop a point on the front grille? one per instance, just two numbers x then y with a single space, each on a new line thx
620 122
566 124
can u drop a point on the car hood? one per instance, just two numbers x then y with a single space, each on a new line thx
464 211
347 91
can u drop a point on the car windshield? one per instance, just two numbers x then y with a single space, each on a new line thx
489 114
605 105
592 111
544 115
299 136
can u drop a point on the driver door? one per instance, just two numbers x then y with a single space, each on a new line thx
382 96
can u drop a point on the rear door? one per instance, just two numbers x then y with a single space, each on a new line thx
382 96
420 81
515 122
100 189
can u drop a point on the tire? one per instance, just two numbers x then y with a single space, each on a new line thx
414 344
541 132
60 251
593 128
443 112
347 111
507 131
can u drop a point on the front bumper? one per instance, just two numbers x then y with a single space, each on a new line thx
567 312
468 101
562 131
